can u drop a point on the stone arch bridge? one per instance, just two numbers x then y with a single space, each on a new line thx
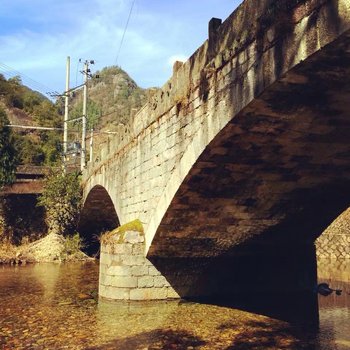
242 159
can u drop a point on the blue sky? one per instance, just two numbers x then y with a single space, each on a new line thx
36 36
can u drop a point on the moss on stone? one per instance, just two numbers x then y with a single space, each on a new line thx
117 235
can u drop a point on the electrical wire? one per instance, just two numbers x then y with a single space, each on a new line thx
125 29
11 72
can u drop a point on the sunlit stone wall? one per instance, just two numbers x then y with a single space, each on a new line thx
125 273
335 246
144 164
334 243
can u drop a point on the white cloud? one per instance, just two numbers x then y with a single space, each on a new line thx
40 36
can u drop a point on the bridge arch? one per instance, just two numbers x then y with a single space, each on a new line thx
270 164
245 146
248 204
98 215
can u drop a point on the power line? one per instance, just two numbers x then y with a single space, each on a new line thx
32 127
11 69
35 85
125 29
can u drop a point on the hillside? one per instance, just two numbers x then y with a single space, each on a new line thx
24 106
113 98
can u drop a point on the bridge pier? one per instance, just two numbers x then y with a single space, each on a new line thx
259 274
125 272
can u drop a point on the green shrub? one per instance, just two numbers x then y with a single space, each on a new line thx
61 198
8 157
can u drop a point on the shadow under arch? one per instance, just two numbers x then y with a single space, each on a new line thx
245 217
98 215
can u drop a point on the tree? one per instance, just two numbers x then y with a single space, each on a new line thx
61 199
8 158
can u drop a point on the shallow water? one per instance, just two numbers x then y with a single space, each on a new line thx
42 307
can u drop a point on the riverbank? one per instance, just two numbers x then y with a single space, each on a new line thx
51 248
8 253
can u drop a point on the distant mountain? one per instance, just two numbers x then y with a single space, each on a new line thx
113 98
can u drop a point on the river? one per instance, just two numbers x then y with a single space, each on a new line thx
44 306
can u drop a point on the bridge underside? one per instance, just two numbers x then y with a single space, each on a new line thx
246 217
97 216
280 167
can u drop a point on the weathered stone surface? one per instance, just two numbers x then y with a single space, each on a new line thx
124 277
248 139
160 281
334 243
148 294
124 248
138 249
114 293
139 270
146 281
153 271
133 260
133 237
118 271
123 281
172 294
229 146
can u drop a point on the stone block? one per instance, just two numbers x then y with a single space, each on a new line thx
118 271
106 280
133 260
148 294
139 270
106 259
134 237
123 281
103 269
123 248
114 293
145 282
172 294
138 249
159 293
161 281
152 271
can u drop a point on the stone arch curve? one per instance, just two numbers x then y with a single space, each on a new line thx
275 158
98 215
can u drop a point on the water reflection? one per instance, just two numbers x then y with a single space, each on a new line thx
41 308
335 310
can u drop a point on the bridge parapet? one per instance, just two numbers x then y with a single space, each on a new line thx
290 29
226 150
143 166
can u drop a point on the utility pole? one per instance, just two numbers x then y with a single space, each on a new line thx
91 144
83 135
65 124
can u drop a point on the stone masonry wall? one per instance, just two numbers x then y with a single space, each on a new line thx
125 273
334 243
333 246
143 165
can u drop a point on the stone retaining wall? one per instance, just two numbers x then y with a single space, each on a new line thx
334 243
125 273
333 246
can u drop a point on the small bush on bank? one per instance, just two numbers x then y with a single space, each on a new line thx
61 198
72 245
